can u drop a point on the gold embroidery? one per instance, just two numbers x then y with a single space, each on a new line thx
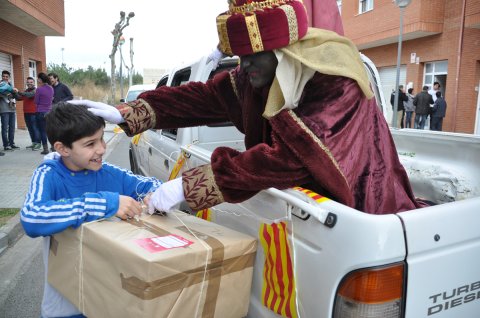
223 34
254 33
234 85
254 6
200 189
138 115
318 141
292 23
211 181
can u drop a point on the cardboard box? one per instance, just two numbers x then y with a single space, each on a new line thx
154 267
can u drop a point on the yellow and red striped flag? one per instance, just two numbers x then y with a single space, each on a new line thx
205 214
317 197
278 290
178 165
135 139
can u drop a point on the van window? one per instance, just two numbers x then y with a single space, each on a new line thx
223 66
181 77
162 82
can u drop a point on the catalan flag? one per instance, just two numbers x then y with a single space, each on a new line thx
317 197
178 165
205 214
278 290
135 139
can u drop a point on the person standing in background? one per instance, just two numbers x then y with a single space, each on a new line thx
422 103
8 112
402 97
409 108
433 93
29 113
61 91
43 100
439 111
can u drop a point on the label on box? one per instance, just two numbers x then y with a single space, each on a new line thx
162 243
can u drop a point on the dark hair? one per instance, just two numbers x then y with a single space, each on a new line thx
5 72
54 75
30 78
438 94
68 123
410 90
436 83
44 78
425 88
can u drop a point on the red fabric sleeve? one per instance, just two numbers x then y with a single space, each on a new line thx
240 175
192 104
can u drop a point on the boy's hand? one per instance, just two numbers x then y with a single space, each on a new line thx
107 112
128 208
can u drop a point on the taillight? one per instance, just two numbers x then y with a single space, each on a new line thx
371 293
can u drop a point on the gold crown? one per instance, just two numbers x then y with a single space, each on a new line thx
251 6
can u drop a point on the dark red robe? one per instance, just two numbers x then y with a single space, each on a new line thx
336 143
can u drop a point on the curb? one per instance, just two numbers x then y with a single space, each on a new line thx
10 233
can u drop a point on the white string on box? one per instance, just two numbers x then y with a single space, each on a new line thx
209 251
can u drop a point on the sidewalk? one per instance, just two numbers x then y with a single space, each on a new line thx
16 169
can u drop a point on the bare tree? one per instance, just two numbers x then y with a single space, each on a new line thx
130 70
117 33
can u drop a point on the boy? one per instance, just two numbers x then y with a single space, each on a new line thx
76 188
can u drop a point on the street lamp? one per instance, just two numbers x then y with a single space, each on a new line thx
402 4
120 43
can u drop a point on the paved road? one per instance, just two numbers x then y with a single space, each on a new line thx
21 266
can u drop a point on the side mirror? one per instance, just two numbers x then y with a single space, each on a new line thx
122 100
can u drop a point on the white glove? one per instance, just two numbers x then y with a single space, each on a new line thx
107 112
215 57
166 196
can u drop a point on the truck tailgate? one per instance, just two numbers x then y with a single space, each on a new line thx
443 246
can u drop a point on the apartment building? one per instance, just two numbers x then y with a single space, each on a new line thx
441 43
24 25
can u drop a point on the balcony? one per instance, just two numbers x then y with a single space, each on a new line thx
34 16
371 29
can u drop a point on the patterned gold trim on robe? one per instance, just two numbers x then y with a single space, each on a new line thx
200 189
138 115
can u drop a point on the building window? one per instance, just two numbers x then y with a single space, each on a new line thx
364 6
339 5
436 72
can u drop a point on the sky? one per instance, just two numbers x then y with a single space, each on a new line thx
165 33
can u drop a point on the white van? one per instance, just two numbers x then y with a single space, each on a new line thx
135 90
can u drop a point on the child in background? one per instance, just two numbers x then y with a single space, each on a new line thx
77 187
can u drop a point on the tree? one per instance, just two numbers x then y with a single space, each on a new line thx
117 34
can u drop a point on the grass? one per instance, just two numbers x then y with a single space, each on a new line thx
97 93
6 214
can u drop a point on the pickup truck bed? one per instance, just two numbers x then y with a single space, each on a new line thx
439 245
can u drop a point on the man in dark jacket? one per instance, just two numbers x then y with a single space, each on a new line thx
439 110
422 103
402 97
61 92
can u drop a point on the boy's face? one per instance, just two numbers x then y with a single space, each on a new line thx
85 154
